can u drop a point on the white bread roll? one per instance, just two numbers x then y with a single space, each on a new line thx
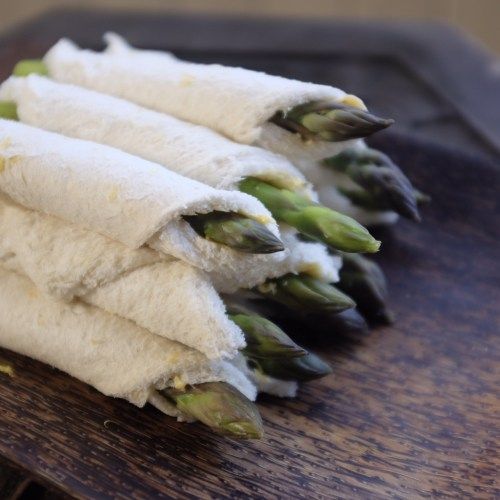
110 353
126 198
234 101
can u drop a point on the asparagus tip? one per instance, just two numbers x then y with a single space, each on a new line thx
372 246
350 321
243 430
314 367
386 316
331 121
306 294
404 201
415 215
303 369
264 339
383 185
421 198
221 407
235 231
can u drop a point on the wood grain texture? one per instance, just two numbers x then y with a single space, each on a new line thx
411 411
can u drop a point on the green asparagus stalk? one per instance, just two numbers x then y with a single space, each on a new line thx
304 293
264 339
303 369
384 185
313 220
363 280
330 121
8 110
271 351
347 322
219 406
300 325
30 66
236 231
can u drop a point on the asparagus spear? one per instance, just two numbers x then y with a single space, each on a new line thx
330 121
264 339
365 282
270 350
304 368
313 220
235 231
349 321
305 294
219 406
385 185
29 66
275 358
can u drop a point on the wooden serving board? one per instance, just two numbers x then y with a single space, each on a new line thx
411 410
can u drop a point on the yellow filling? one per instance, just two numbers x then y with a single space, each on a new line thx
312 269
263 219
353 101
178 383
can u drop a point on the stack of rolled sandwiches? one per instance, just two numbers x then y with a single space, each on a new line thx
158 217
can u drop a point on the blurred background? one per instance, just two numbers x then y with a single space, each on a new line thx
476 17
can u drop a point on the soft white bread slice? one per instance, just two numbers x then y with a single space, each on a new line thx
234 101
110 353
165 296
123 197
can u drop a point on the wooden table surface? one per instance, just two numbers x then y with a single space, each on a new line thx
411 410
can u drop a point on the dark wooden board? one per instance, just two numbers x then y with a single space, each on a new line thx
411 410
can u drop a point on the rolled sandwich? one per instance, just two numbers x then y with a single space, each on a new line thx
165 296
187 149
238 103
122 360
128 199
306 122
